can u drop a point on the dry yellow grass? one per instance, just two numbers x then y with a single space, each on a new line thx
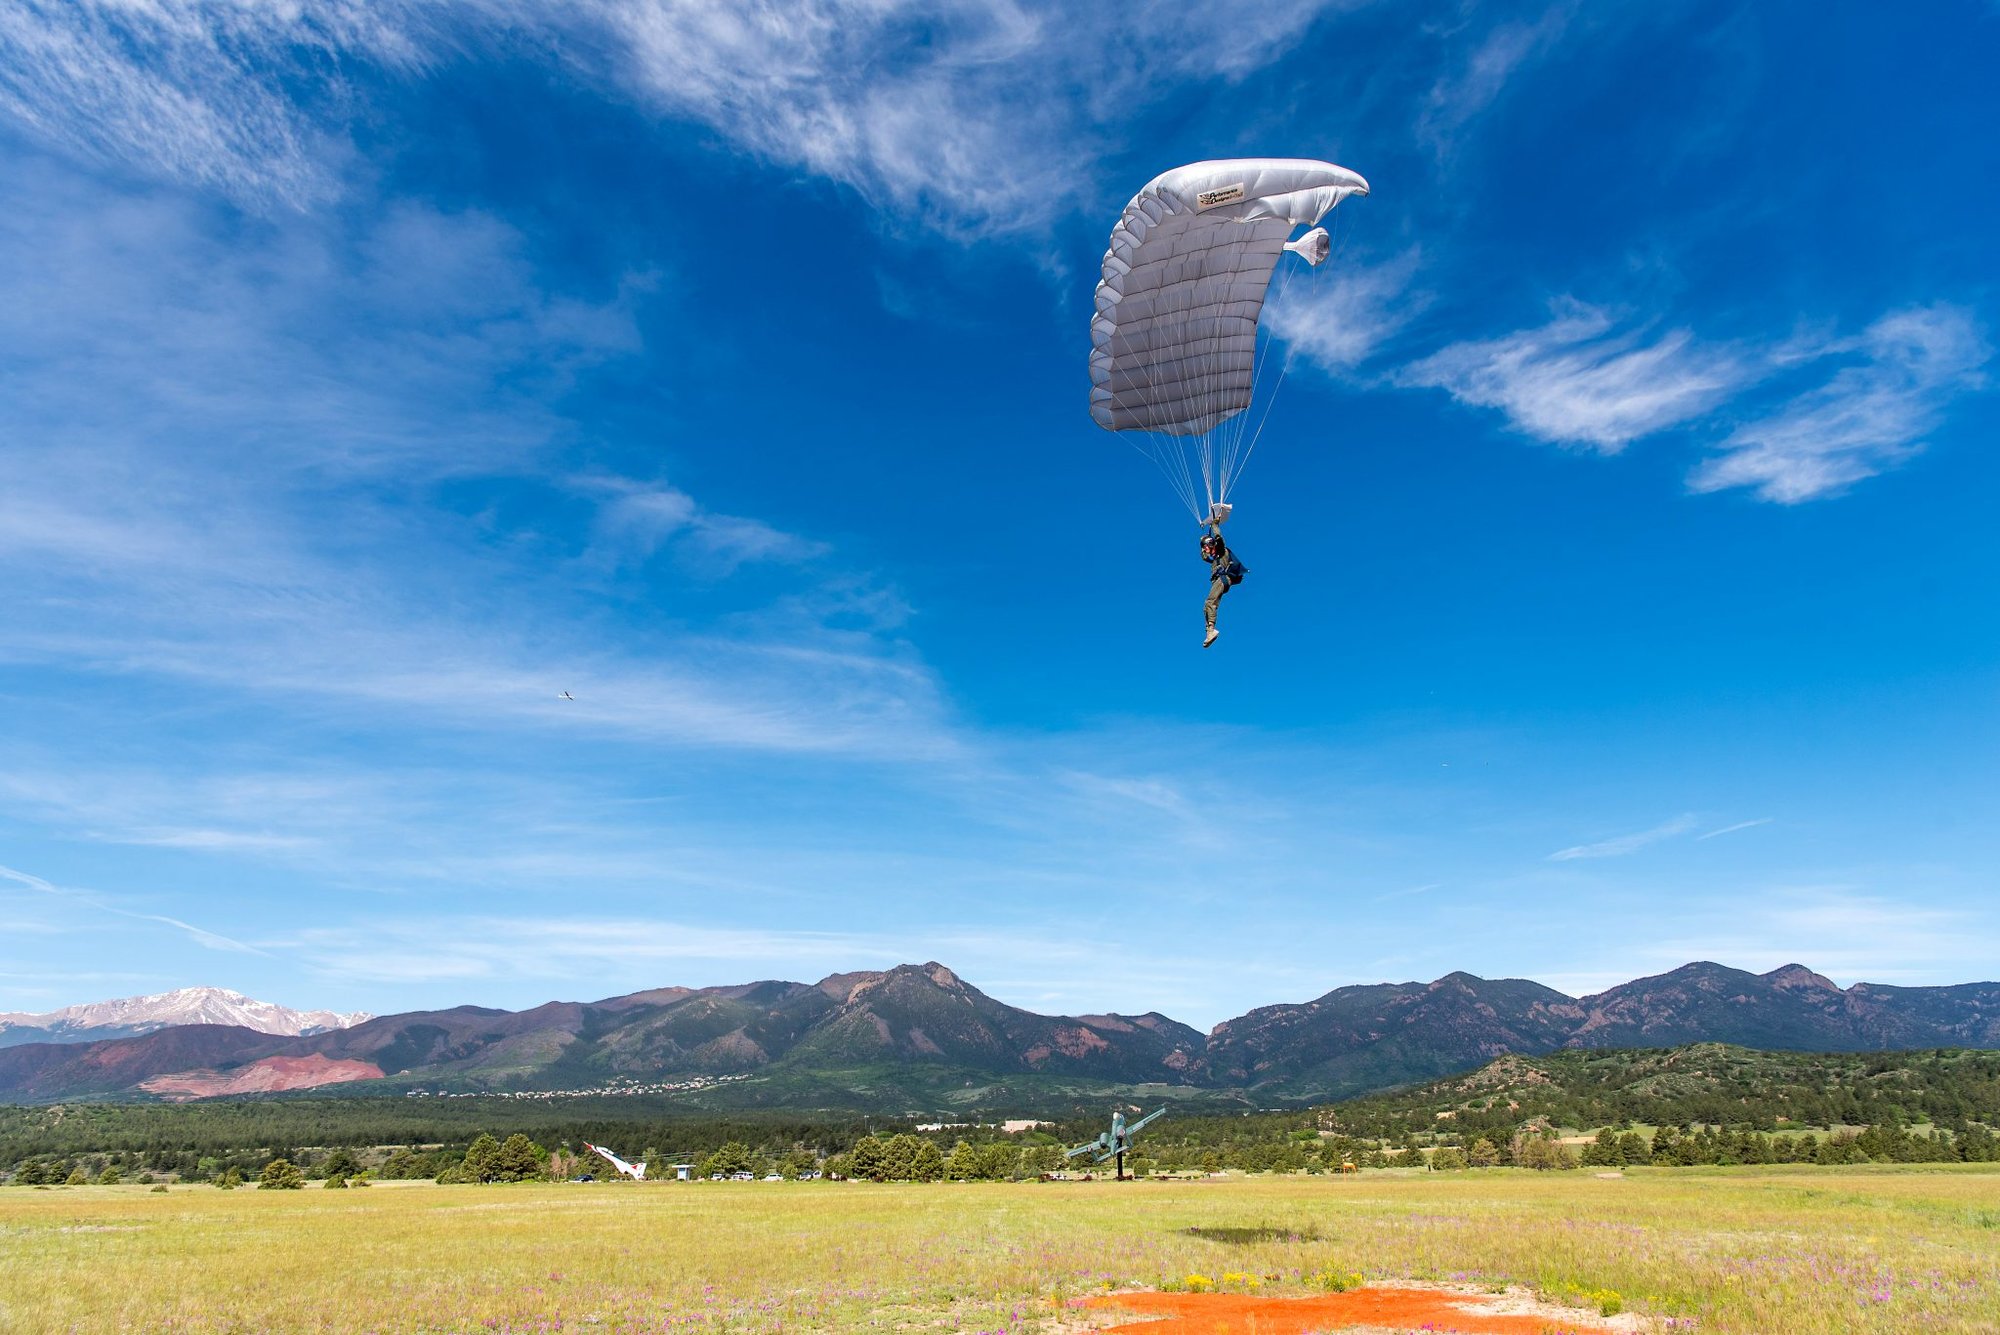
1776 1252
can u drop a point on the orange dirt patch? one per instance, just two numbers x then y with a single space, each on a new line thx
267 1076
1367 1309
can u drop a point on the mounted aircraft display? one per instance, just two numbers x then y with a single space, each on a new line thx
1114 1143
635 1171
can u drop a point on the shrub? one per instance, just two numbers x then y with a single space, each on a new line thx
280 1175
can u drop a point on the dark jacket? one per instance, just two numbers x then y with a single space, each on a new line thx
1224 565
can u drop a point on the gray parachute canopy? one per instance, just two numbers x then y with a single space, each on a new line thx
1173 344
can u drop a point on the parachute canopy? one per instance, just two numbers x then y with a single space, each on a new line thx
1173 344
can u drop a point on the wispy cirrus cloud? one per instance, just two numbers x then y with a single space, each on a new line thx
186 91
1737 827
1843 930
994 119
1590 379
1476 83
1339 323
1582 379
1626 843
1895 380
97 903
637 519
255 535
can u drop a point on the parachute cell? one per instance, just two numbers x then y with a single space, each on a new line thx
1174 339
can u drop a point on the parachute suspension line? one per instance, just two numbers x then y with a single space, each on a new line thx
1291 350
1214 469
1163 445
1159 445
1183 475
1237 456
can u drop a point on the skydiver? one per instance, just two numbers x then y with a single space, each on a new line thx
1224 573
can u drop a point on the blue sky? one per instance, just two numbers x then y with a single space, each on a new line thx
1622 540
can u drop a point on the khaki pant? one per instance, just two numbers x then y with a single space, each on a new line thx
1216 588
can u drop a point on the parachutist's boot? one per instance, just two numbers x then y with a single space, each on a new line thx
1210 637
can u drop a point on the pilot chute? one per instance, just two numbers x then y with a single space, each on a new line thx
1174 356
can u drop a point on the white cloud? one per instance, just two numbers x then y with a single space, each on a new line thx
1587 378
640 518
1459 97
1407 891
97 903
1340 321
1625 843
265 531
988 114
1581 380
1841 931
995 117
1869 416
1739 825
193 90
406 950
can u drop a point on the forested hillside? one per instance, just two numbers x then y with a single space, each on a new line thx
1705 1103
1709 1083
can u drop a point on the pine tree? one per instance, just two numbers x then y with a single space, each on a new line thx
998 1161
899 1155
962 1164
519 1159
926 1162
482 1160
734 1157
867 1161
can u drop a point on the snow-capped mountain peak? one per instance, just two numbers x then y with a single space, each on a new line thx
188 1005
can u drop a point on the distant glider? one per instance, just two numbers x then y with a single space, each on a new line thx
567 696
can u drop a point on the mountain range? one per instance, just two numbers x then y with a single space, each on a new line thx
919 1038
129 1016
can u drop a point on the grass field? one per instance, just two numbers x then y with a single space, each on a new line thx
1772 1251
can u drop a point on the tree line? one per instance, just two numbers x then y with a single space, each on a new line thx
1712 1105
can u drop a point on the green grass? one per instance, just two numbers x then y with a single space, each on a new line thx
1796 1250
